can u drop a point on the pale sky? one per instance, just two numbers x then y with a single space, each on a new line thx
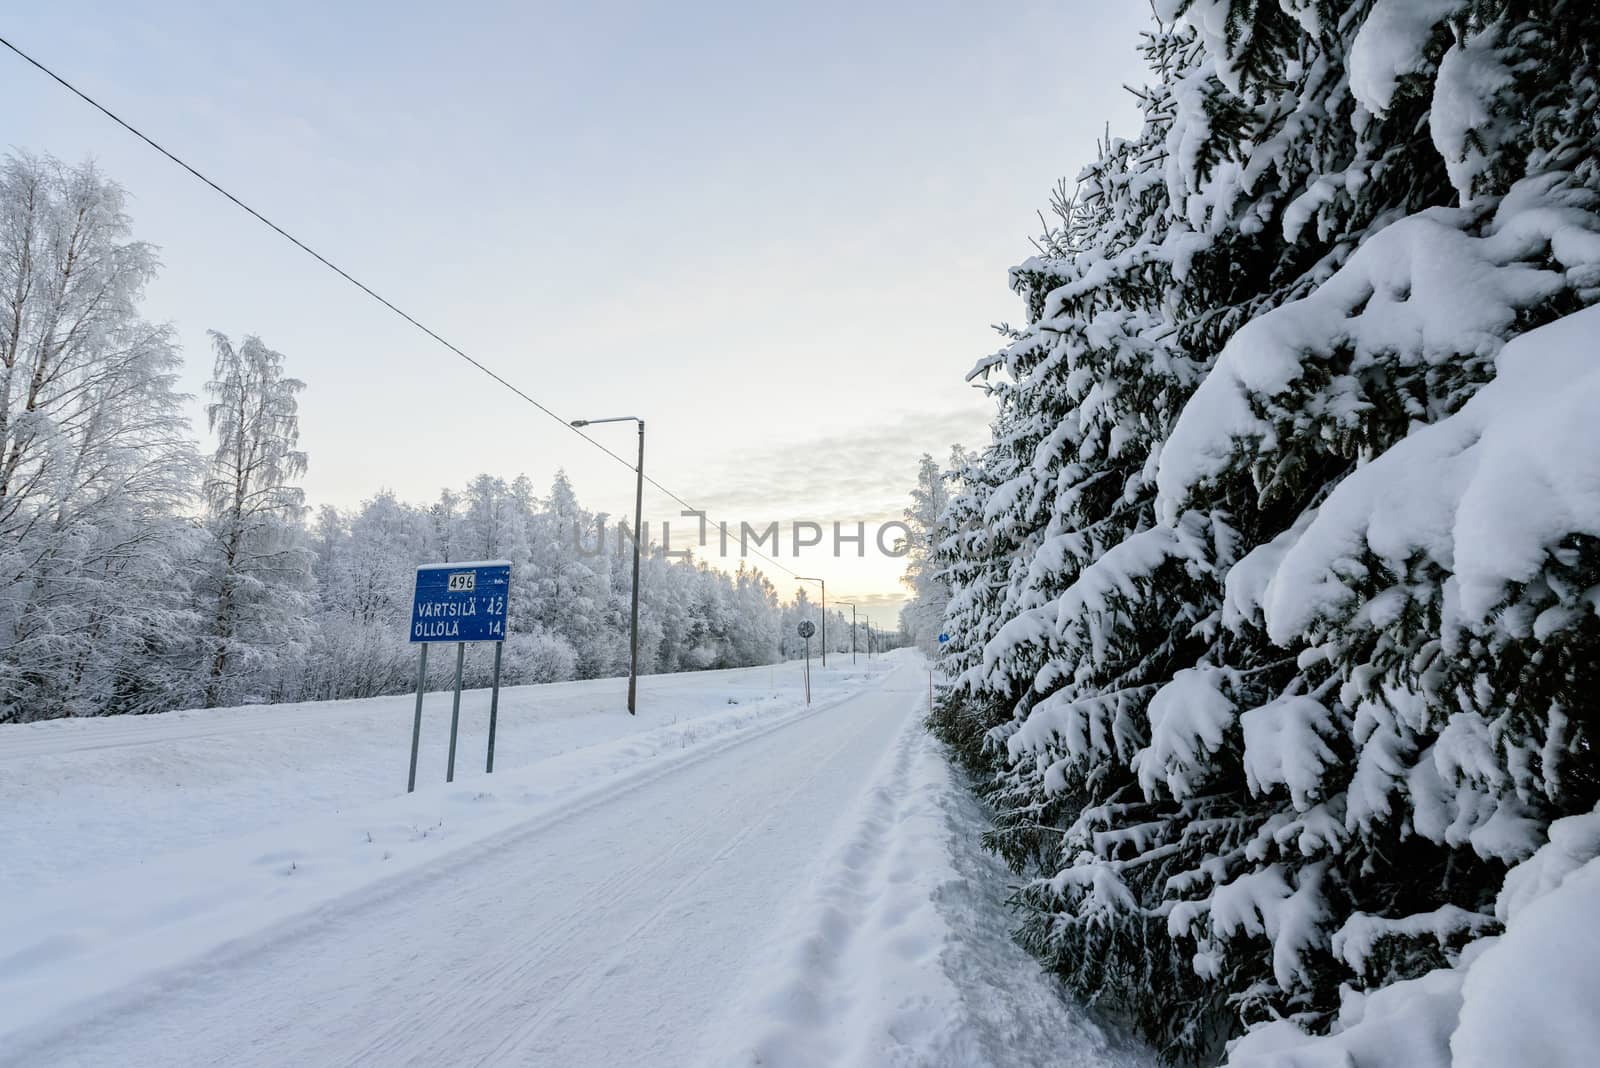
779 233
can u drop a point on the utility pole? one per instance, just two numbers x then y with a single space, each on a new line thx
638 539
824 585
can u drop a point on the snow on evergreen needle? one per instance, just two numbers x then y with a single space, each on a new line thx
1272 598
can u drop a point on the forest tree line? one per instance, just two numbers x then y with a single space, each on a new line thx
143 569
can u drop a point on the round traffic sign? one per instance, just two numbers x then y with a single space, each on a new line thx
807 628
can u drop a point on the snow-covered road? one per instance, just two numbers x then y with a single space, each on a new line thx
782 893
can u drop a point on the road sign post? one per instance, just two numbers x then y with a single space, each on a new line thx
461 603
455 713
942 639
416 726
494 705
807 629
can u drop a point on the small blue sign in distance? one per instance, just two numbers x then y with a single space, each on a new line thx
461 602
943 638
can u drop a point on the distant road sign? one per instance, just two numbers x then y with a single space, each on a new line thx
807 628
943 638
461 602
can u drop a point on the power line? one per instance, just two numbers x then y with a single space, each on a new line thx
348 277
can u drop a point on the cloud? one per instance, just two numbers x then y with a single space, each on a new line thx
865 475
874 601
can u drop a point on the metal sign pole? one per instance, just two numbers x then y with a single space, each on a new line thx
806 629
455 712
416 725
494 704
942 639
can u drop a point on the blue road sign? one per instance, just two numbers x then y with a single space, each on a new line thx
461 602
943 638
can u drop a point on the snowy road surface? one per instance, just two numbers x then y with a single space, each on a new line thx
779 892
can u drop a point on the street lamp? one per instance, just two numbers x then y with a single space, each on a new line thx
824 585
638 536
852 628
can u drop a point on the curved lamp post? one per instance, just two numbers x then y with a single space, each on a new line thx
852 628
824 585
638 536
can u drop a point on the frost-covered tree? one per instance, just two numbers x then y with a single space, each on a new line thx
255 573
930 498
492 526
568 612
96 465
364 572
1266 702
756 621
569 583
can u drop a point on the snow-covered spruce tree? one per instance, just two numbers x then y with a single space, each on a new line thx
1082 604
96 469
1219 794
256 571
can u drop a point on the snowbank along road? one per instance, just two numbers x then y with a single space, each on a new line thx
750 883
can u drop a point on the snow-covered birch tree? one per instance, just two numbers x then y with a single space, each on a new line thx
258 568
95 457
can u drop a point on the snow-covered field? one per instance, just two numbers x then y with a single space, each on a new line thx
732 878
87 797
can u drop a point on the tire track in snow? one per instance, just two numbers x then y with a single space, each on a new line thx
512 1049
818 993
538 959
900 952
